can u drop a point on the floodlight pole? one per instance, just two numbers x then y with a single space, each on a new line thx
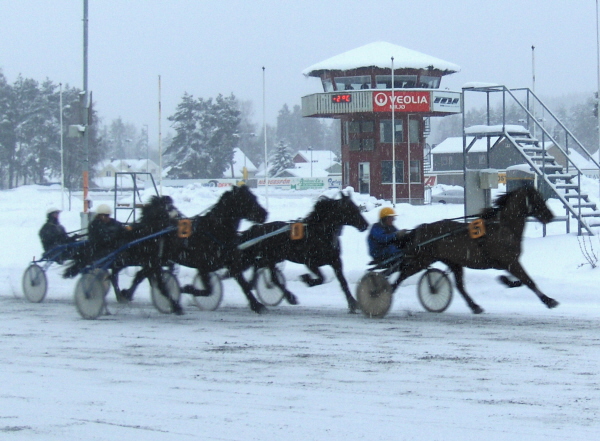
62 162
393 139
265 135
85 111
598 89
533 89
160 162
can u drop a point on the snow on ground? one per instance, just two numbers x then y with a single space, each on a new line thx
306 372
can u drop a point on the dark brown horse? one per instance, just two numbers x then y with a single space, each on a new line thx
499 247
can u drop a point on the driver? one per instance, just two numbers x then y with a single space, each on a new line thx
384 237
104 232
52 232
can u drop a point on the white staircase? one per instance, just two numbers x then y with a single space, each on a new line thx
563 183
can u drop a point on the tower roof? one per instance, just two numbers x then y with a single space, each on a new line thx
379 55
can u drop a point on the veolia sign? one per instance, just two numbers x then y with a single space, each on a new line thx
403 101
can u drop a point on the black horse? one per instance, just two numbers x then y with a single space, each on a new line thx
210 244
318 246
158 215
494 245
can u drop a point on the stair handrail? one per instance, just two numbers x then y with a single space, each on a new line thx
556 120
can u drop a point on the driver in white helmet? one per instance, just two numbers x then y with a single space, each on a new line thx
52 232
104 232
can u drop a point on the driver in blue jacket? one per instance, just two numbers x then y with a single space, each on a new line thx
384 237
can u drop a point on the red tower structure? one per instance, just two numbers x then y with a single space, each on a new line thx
359 87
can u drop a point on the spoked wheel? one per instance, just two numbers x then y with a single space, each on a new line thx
374 295
35 283
268 292
171 284
212 301
435 290
89 295
104 277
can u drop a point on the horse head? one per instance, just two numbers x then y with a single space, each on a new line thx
536 206
338 212
351 213
159 212
524 202
241 203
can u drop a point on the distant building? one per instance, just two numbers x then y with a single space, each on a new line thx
384 111
323 164
240 160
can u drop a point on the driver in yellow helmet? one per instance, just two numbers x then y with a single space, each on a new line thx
384 237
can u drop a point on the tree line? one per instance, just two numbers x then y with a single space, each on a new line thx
206 132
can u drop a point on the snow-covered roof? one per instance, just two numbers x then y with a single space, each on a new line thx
324 158
510 128
238 164
379 54
303 170
137 165
454 144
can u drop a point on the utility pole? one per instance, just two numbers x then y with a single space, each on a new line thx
85 111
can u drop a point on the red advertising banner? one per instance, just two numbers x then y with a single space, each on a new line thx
405 101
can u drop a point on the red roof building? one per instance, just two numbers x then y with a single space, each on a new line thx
359 91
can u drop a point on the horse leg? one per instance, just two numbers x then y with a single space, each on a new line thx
458 277
312 281
126 295
517 270
191 289
339 273
156 275
510 283
255 305
288 295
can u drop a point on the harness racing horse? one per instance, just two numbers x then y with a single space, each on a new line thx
212 244
157 215
318 246
497 244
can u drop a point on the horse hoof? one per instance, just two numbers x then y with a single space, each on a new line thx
178 310
260 308
292 300
477 309
551 303
510 283
306 279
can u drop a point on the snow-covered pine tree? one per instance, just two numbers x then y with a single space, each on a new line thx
204 140
281 159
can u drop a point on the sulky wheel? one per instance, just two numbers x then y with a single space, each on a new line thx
35 283
160 302
104 276
89 295
434 290
374 295
268 292
212 301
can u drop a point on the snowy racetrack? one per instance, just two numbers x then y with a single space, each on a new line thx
304 372
307 372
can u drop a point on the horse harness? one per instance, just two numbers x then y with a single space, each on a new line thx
476 229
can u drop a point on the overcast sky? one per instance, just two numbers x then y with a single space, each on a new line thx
207 47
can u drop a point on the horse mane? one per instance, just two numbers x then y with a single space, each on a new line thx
155 214
320 209
501 202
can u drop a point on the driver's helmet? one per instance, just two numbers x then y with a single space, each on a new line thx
52 210
104 209
386 211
